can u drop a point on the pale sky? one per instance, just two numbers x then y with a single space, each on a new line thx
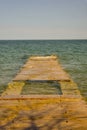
43 19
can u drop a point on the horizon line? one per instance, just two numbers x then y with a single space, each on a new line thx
42 39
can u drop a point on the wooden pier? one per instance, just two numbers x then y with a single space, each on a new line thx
42 68
48 110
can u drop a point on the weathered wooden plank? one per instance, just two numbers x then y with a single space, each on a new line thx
59 98
70 88
13 88
43 113
42 68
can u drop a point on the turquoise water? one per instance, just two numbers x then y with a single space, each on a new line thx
72 55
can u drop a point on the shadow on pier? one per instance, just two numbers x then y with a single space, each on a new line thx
46 119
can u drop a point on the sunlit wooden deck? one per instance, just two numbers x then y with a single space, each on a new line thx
42 68
65 111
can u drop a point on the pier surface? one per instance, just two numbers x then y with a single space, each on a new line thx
42 68
42 96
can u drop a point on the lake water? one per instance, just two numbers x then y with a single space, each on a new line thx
72 55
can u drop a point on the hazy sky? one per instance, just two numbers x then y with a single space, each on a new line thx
43 19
